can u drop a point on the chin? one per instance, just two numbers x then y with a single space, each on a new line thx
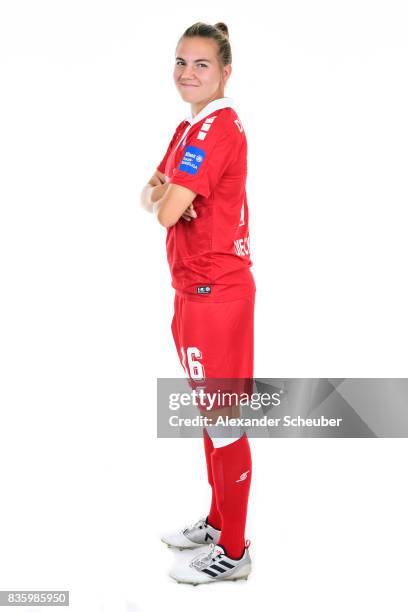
190 95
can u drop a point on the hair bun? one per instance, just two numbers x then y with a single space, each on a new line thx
222 27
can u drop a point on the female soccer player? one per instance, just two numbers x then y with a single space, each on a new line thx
198 193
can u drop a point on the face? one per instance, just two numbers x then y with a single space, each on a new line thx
198 75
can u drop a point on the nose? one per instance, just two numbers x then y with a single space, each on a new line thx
188 72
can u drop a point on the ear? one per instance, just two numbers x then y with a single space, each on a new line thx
226 72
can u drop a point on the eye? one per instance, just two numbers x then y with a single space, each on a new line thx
180 62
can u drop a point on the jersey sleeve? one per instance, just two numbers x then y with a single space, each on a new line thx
205 161
177 134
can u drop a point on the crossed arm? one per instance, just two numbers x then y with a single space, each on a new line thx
168 201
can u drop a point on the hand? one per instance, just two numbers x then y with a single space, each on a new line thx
189 213
157 180
158 191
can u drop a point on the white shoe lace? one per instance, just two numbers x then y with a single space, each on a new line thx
205 559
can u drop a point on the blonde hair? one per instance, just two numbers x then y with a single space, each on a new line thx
218 32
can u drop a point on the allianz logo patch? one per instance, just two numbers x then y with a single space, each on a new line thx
204 289
192 160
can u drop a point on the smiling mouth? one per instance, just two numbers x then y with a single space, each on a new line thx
188 85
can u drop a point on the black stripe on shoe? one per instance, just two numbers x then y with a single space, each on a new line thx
226 564
210 573
218 568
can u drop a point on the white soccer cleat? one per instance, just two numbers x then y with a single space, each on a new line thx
197 534
213 566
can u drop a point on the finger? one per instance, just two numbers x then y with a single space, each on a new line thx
191 212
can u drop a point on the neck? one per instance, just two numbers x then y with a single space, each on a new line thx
196 108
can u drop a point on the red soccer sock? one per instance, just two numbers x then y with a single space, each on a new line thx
232 470
214 516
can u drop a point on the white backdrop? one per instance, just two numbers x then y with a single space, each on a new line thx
87 109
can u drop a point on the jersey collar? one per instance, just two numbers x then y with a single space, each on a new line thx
210 108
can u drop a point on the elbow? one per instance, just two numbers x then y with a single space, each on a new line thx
145 205
144 199
164 220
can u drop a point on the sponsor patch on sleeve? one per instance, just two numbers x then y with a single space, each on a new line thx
192 160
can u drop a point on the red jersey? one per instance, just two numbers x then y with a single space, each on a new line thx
209 256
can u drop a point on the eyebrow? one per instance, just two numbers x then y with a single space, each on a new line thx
197 60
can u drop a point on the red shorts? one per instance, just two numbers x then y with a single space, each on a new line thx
215 340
